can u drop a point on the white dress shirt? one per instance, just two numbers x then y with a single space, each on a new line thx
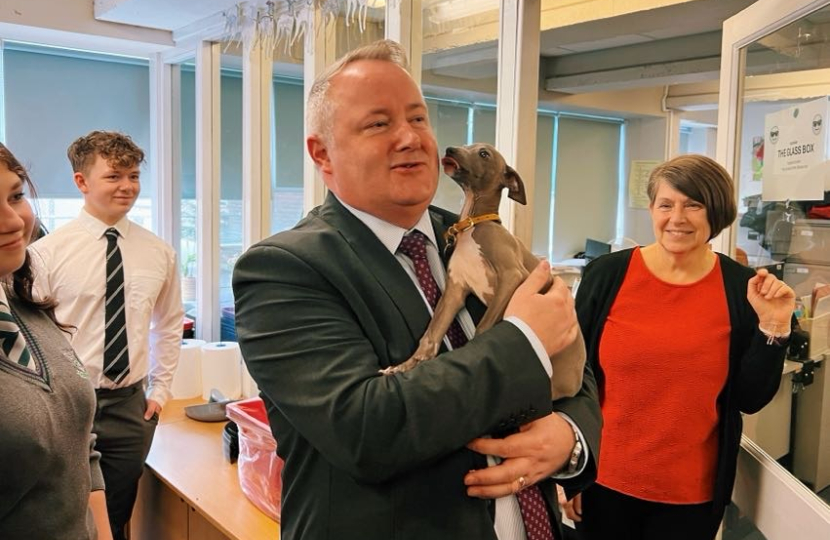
70 267
508 523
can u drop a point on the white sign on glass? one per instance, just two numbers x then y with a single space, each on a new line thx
795 153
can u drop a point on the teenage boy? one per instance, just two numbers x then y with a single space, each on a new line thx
118 284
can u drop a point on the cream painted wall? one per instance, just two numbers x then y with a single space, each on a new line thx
780 86
70 23
646 141
625 103
708 117
556 14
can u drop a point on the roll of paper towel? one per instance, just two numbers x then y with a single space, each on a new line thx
249 387
187 381
222 369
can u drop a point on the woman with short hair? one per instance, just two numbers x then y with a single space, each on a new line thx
682 340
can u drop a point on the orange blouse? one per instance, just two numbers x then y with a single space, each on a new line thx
664 351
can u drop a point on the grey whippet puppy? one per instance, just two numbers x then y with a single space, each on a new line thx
488 260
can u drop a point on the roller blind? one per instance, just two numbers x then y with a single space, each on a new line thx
53 99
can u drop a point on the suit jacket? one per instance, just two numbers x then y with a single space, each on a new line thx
319 310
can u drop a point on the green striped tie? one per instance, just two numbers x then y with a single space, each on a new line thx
116 352
11 340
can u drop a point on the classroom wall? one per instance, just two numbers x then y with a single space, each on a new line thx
645 140
71 23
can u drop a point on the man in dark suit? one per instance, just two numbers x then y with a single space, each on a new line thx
320 309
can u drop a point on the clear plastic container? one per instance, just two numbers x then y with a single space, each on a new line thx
259 466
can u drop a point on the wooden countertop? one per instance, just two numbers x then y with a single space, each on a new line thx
187 456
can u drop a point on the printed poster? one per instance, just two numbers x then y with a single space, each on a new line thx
638 182
795 152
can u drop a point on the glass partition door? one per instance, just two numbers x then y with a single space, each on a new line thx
772 136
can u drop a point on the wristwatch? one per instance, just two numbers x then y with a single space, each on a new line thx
576 453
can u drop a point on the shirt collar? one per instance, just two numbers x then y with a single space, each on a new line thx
97 228
3 297
391 235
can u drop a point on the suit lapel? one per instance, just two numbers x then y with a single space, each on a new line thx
380 264
386 269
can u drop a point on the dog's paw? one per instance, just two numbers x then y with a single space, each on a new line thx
427 350
400 368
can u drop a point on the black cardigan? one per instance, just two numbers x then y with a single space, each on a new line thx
754 367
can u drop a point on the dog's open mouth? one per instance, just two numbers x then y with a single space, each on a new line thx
450 166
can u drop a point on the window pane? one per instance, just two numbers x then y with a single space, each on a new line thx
289 151
542 211
783 211
586 189
451 33
106 93
230 202
449 122
186 140
484 124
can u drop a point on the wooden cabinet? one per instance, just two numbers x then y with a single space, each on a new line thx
189 491
201 529
161 514
811 461
770 427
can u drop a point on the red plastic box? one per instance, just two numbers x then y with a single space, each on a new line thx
259 467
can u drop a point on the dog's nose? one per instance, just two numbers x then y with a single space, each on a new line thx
452 150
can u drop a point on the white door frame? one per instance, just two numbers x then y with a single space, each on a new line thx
779 505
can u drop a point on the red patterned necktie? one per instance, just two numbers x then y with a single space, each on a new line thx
534 513
413 246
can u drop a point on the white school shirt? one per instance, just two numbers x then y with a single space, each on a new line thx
508 523
70 267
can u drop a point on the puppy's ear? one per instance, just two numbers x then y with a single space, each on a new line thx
515 186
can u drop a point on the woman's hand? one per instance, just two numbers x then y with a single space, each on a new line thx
98 505
773 301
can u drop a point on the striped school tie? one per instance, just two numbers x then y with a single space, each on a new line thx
11 340
116 354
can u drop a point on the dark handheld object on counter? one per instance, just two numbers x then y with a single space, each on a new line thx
212 411
230 442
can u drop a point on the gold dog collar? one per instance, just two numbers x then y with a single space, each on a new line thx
466 224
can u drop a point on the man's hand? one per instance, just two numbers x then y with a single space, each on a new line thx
572 508
540 449
551 314
152 408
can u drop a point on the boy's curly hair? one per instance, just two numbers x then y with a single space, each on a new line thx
117 149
